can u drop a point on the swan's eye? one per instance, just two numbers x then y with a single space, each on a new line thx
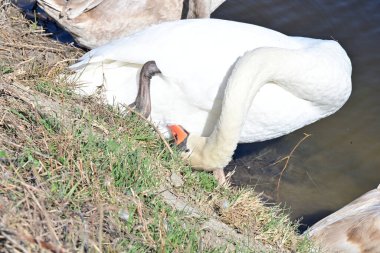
187 150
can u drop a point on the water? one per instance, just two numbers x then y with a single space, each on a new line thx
35 13
341 159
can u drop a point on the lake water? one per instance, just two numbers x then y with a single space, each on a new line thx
341 158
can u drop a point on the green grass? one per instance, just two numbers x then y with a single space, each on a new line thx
108 159
105 153
3 154
5 69
91 180
49 88
116 165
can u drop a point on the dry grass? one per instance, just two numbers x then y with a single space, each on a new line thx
248 215
26 49
76 175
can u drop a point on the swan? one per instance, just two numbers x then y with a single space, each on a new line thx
353 228
96 22
279 83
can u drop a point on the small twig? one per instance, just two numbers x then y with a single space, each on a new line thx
100 232
100 127
32 47
7 235
22 182
162 230
287 158
2 118
5 49
142 221
26 61
38 31
43 210
312 181
5 4
24 237
33 151
84 230
139 210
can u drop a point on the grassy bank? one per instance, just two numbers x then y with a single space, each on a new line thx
76 175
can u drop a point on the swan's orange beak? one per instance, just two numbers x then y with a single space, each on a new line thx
179 133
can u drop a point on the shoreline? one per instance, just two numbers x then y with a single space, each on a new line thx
83 176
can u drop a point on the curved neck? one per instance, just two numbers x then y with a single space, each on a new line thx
290 69
247 77
143 102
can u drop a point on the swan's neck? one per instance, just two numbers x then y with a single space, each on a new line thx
293 70
248 76
143 102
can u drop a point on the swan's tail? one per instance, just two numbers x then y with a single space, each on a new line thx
87 80
117 81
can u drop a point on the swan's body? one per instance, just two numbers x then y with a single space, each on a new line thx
355 228
196 58
95 22
290 69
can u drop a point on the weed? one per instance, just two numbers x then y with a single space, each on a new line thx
49 88
5 69
3 154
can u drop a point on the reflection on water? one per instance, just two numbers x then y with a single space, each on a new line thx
341 160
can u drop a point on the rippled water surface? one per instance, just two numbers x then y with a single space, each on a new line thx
341 158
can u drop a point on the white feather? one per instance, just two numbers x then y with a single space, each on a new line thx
195 58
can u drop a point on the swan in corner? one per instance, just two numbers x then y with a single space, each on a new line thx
96 22
353 228
224 82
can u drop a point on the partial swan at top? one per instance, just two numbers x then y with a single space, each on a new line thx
95 22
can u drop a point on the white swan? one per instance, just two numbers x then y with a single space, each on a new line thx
353 228
96 22
298 80
196 57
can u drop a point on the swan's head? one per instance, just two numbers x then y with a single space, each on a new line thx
191 147
149 69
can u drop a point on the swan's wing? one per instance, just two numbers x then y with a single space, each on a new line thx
355 226
195 58
196 55
368 201
356 233
194 43
75 8
69 9
55 5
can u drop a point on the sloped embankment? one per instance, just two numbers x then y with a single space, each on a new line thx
76 175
